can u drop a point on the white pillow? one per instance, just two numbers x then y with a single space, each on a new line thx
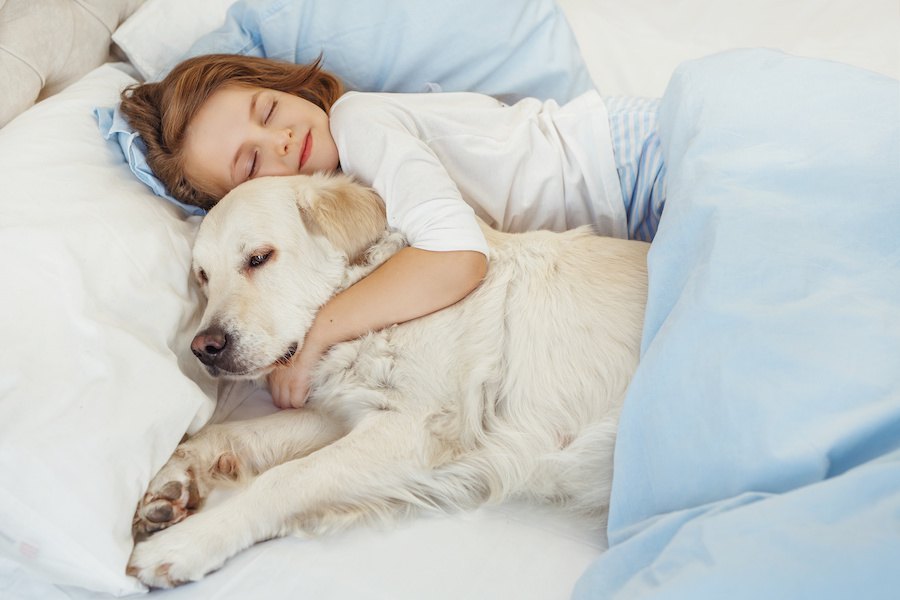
96 307
160 31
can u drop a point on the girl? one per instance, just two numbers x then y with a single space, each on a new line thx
437 160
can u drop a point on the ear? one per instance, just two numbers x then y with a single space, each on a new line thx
349 215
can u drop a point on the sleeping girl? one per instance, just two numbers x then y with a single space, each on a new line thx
437 160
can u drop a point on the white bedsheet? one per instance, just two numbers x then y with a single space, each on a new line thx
508 551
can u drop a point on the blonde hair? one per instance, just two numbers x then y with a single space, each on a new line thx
161 111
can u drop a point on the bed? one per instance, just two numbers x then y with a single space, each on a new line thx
759 448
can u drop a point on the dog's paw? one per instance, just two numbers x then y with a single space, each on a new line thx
180 554
172 495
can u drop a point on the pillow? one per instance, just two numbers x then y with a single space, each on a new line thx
759 445
161 31
114 127
96 377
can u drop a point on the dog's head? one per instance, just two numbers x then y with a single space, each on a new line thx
267 256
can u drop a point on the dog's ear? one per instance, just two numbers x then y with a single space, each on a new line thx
349 215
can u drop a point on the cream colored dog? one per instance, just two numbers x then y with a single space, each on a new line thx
513 391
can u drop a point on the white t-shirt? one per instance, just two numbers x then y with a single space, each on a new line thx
437 159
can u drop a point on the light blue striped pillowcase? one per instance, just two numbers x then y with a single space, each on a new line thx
639 161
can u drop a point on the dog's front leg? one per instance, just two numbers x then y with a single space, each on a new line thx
365 471
232 451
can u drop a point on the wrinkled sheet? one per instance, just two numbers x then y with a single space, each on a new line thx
759 448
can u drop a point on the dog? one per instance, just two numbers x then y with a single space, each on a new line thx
514 391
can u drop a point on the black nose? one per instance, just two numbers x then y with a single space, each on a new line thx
209 345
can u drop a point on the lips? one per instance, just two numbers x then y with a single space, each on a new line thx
307 149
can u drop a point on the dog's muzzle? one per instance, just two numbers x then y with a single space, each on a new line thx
217 350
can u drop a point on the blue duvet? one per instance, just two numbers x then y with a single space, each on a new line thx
759 449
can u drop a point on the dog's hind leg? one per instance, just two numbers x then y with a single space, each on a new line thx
227 452
366 471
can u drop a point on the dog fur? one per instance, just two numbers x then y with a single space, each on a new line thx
513 391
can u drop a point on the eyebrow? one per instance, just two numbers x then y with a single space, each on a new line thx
237 155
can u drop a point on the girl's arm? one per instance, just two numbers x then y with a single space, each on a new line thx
411 284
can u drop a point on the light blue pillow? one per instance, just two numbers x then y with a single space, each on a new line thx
116 129
506 48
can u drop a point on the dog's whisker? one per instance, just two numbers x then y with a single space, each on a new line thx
285 358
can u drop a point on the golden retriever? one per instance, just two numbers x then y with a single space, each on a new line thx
514 391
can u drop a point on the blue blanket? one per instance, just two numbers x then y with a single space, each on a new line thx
759 448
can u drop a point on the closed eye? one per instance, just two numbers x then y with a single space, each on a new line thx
202 277
253 164
254 158
271 112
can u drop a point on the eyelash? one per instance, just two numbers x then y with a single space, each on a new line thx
253 165
256 154
271 112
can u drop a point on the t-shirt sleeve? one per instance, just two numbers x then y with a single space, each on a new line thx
378 144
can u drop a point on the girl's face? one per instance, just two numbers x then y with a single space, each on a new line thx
244 132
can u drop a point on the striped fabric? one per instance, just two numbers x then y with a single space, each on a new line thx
642 174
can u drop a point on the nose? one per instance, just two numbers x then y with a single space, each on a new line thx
209 345
283 141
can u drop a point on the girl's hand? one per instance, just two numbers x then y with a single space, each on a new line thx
289 385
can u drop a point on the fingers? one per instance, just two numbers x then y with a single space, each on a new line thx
289 386
298 398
